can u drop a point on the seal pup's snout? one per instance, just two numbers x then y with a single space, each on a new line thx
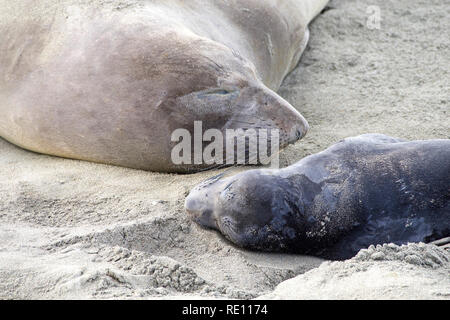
201 217
199 210
200 203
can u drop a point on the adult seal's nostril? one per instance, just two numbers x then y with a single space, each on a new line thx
128 79
200 203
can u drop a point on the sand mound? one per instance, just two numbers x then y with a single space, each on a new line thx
413 271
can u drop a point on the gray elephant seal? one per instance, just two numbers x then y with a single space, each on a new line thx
370 189
109 82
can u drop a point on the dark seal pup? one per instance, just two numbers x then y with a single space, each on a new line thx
371 189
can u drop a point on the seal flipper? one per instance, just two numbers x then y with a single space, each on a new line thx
442 242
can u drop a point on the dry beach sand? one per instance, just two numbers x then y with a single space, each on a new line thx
72 229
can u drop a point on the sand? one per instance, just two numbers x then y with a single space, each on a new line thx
72 229
388 272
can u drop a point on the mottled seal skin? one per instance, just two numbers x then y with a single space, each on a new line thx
110 81
371 189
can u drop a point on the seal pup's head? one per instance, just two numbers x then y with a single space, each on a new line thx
256 209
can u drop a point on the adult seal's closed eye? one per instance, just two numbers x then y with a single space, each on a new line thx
371 189
109 83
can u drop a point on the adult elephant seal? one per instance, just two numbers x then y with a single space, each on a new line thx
110 81
371 189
